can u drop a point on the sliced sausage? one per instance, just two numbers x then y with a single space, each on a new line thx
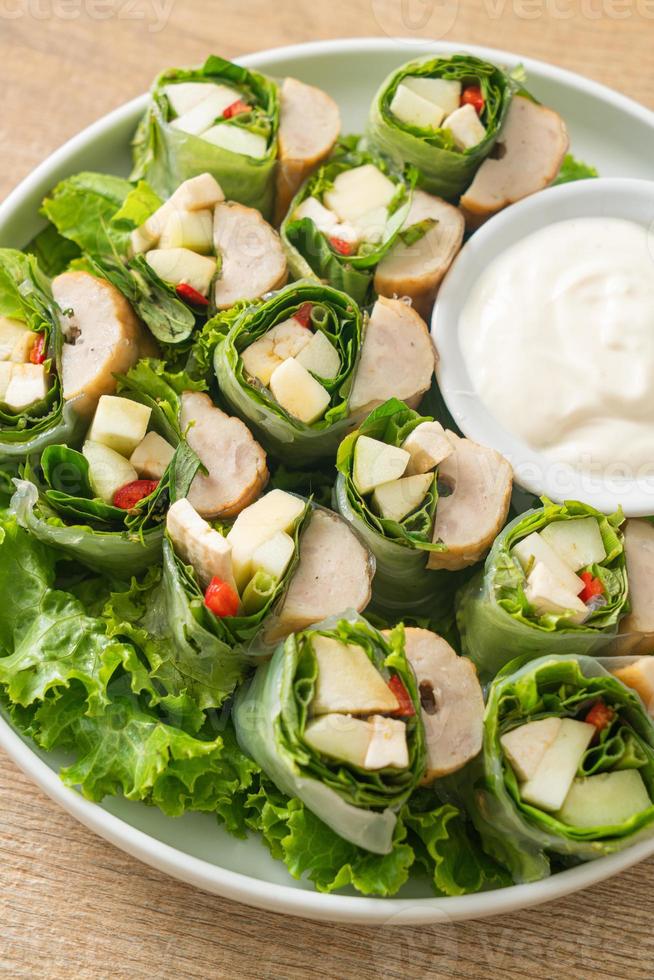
102 337
417 270
236 463
639 552
334 573
251 255
452 702
526 158
472 515
397 358
309 124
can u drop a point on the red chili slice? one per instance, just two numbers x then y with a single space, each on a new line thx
600 715
303 315
221 598
406 709
341 246
128 496
472 96
37 353
235 109
592 587
190 295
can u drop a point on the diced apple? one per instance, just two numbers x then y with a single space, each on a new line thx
298 392
546 594
550 784
359 190
376 463
534 549
205 113
322 217
108 470
198 544
428 446
465 127
189 229
410 107
151 457
388 746
524 747
441 91
605 800
274 555
119 423
340 737
237 140
285 339
639 676
394 500
184 96
275 511
141 240
348 681
23 347
345 231
14 335
578 542
198 193
180 265
320 356
371 225
6 369
28 384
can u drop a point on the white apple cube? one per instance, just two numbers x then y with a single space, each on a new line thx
607 799
189 229
198 193
286 339
6 370
550 784
184 96
524 747
14 334
198 544
23 347
348 681
372 225
465 127
577 542
108 470
320 356
534 548
322 217
152 456
298 392
274 555
428 446
414 110
275 511
28 384
376 463
359 190
546 594
441 91
181 265
141 240
394 500
340 737
237 140
119 423
388 746
204 113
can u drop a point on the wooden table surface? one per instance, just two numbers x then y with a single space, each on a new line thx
72 905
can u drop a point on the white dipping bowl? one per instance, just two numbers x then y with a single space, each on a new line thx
534 471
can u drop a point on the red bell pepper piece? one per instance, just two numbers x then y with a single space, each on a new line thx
190 295
592 586
303 315
37 353
341 246
128 496
221 598
235 109
406 709
600 715
471 95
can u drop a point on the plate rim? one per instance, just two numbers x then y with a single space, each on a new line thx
234 885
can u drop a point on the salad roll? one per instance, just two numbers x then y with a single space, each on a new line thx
33 409
333 719
555 581
441 115
393 474
567 769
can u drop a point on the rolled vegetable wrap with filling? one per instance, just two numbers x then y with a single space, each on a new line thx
442 116
555 581
391 474
567 769
333 718
283 565
33 411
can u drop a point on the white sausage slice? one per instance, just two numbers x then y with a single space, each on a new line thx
417 270
251 255
236 463
639 552
452 702
309 124
397 358
471 517
102 337
526 158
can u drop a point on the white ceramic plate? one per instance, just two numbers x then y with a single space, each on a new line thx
607 129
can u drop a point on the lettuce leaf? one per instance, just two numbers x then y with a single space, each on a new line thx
573 169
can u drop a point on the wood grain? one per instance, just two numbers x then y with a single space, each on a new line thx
74 906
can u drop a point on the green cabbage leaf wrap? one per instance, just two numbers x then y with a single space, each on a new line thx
25 295
165 156
443 169
495 619
280 433
308 250
270 716
519 835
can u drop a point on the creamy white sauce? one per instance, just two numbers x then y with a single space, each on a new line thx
558 340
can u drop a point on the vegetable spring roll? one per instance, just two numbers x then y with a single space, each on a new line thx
555 581
442 115
567 770
391 472
33 409
334 719
344 220
281 566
